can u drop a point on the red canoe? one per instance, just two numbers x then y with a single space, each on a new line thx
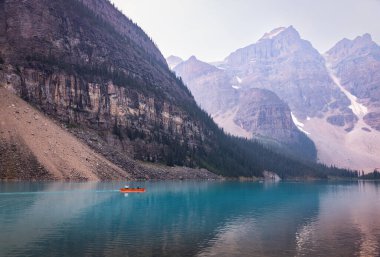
132 190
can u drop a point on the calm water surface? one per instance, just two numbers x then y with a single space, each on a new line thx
190 218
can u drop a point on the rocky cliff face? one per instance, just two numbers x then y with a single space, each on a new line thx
269 119
289 66
265 115
357 63
86 64
247 112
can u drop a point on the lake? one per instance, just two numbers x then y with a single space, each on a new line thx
190 218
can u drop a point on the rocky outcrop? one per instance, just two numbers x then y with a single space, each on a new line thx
357 63
262 113
86 64
34 147
125 113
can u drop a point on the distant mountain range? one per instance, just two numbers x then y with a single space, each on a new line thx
281 89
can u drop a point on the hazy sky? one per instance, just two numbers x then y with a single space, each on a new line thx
211 29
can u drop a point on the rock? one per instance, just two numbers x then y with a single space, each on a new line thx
373 119
290 67
357 63
366 129
271 176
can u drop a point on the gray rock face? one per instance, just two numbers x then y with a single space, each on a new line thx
357 63
265 115
289 66
259 113
86 64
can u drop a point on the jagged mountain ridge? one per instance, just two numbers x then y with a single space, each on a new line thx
322 103
72 61
243 111
357 63
289 66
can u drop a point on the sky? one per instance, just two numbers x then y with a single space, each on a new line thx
212 29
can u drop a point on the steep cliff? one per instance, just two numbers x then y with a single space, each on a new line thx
86 64
269 120
357 64
34 147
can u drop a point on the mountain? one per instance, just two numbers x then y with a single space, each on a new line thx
173 61
357 64
289 66
86 65
209 85
319 90
240 108
269 120
44 150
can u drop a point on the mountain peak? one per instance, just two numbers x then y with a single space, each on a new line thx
360 45
173 61
192 58
364 39
290 31
193 67
174 57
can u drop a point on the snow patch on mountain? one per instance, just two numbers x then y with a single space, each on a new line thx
357 108
239 80
299 124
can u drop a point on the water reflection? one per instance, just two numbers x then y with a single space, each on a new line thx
190 218
348 223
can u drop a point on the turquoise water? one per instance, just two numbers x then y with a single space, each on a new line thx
189 218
